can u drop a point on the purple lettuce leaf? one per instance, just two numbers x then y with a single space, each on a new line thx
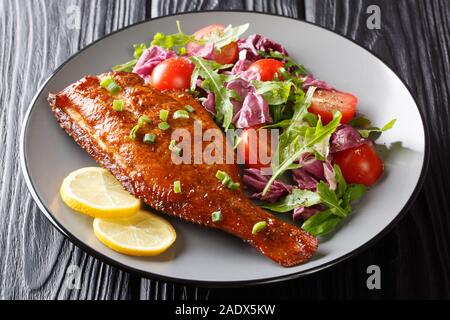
257 42
205 51
310 81
303 213
256 181
313 171
251 109
210 103
150 59
346 137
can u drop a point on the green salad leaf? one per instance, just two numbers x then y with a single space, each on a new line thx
298 198
299 138
365 133
174 40
321 223
274 92
215 82
338 203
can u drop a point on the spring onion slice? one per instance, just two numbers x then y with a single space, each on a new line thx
177 186
181 114
216 216
163 115
118 105
149 138
163 126
258 227
109 84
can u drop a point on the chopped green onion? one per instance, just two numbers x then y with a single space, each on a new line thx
134 131
221 175
259 226
177 186
118 105
109 84
233 186
143 120
216 216
163 115
227 181
163 126
149 138
181 114
174 148
189 108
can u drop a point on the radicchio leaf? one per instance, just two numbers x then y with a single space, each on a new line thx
256 181
150 59
346 137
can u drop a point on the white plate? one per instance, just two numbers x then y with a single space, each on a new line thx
210 257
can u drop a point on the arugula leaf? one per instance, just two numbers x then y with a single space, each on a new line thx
274 92
228 35
365 133
170 41
341 183
360 122
353 193
325 221
329 198
298 198
297 138
215 82
321 223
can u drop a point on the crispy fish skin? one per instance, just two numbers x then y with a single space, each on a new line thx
84 110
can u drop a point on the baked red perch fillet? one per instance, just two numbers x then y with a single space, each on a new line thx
85 111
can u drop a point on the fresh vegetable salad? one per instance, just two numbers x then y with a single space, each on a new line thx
324 157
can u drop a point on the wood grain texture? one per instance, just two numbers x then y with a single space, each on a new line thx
36 259
414 257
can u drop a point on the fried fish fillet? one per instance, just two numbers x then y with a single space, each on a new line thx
85 111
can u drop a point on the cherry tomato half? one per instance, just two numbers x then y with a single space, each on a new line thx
173 73
255 148
324 102
225 55
360 165
267 68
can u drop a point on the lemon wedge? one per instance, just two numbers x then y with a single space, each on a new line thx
143 234
97 193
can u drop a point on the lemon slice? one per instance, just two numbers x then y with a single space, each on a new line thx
143 234
97 193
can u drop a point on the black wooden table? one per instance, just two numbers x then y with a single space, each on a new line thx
37 262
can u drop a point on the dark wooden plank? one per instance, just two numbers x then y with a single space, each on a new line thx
414 39
36 260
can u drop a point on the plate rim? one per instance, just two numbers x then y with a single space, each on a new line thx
207 283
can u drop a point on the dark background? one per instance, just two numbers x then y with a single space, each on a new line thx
414 257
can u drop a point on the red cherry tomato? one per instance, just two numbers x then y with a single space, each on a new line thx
225 55
324 102
360 165
267 68
228 54
173 73
255 148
